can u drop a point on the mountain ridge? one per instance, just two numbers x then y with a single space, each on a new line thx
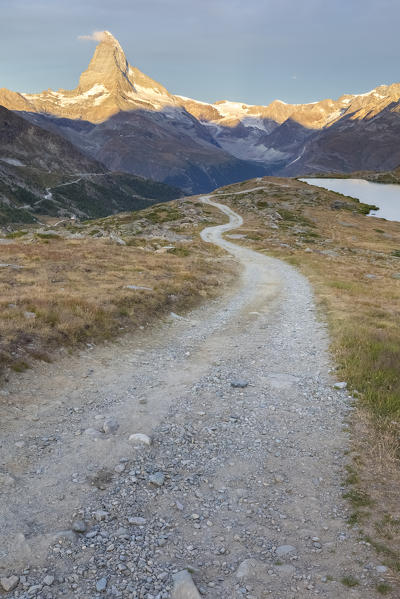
127 121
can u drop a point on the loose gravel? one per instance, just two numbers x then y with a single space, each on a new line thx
209 451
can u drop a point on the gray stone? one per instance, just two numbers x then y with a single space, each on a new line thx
239 383
381 569
140 439
100 515
137 521
101 585
10 583
29 315
157 479
110 426
14 266
134 287
117 239
48 580
341 385
251 569
35 588
184 587
285 550
79 526
92 432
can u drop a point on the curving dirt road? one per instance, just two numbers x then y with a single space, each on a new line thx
242 480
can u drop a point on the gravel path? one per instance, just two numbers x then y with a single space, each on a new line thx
241 481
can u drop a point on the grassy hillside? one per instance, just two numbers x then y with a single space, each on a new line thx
69 284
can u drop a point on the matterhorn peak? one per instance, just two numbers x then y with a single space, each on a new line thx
108 67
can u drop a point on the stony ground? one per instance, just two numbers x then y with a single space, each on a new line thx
236 474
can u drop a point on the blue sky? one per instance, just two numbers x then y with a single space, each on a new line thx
246 50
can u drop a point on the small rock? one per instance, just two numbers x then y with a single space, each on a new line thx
100 515
184 587
251 569
140 439
101 585
157 479
10 583
119 468
110 426
137 521
117 239
79 526
284 550
35 588
381 569
134 287
176 316
29 315
239 383
92 432
341 385
48 580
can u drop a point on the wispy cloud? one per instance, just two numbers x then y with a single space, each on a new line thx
96 36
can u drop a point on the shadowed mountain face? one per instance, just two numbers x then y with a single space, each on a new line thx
43 173
127 121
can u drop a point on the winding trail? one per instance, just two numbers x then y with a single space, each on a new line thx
248 443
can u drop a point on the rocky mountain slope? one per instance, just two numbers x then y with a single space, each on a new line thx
43 173
350 133
129 122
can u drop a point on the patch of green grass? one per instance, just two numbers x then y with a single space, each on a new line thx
349 581
262 204
179 251
396 253
16 234
391 554
19 366
352 476
372 365
47 236
383 588
358 498
346 285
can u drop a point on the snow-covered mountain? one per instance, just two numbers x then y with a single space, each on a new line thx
244 130
126 120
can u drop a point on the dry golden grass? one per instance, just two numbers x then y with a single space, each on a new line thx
71 291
